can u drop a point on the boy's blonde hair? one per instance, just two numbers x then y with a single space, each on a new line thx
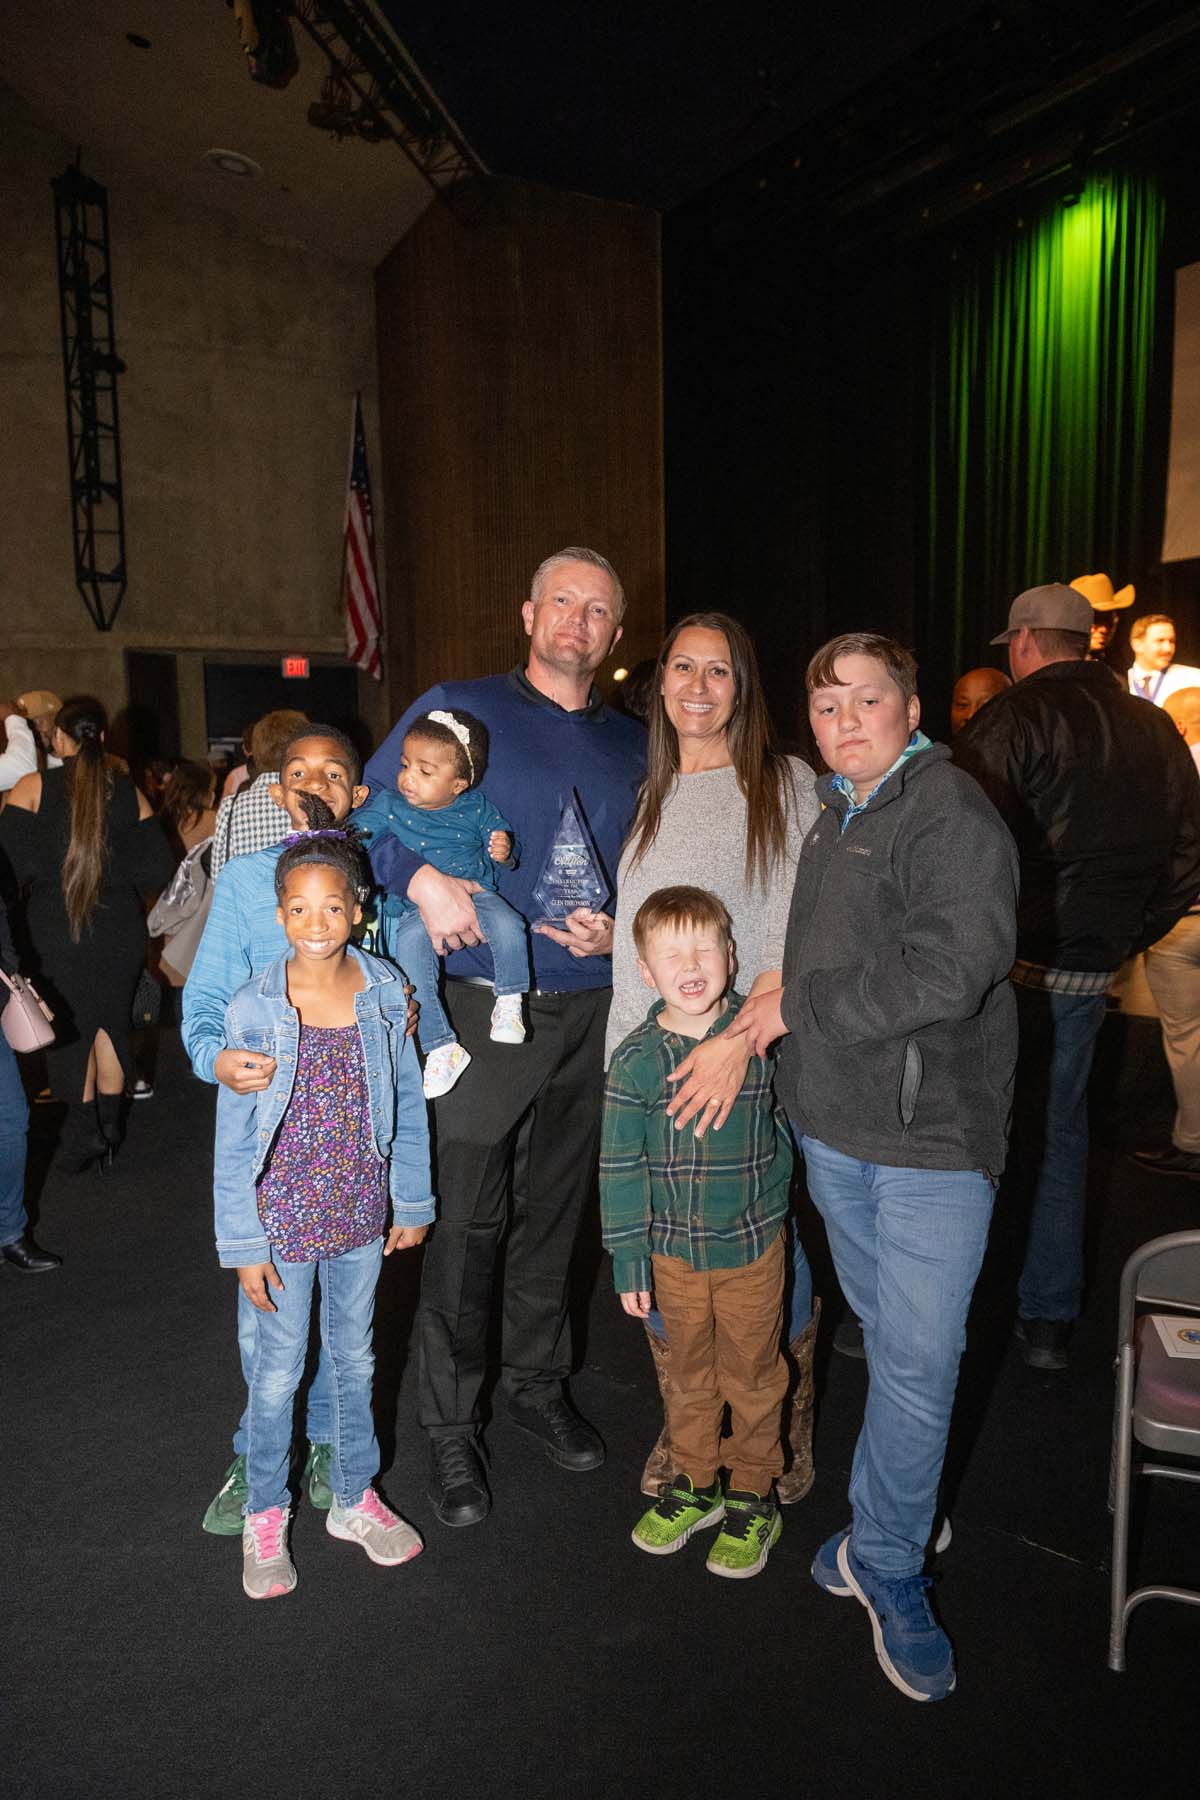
679 906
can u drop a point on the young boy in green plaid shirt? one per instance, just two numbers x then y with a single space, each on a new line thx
698 1221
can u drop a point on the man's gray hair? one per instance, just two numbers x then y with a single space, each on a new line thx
578 553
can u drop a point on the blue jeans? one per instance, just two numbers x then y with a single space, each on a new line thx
800 1308
1058 1035
907 1246
319 1402
347 1304
408 946
14 1122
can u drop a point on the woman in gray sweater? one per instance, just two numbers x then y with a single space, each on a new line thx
721 808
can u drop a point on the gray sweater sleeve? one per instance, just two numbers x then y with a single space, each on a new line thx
801 818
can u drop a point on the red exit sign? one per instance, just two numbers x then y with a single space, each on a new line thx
295 668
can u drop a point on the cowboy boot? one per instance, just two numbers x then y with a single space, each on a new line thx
660 1466
799 1475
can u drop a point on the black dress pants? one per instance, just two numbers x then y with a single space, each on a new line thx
523 1120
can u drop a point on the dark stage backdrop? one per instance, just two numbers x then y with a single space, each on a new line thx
849 446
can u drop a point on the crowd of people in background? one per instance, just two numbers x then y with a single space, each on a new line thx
856 978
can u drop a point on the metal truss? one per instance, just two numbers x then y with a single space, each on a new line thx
90 369
394 98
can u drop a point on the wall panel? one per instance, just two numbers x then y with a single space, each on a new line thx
521 410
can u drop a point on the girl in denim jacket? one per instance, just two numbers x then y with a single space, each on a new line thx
304 1176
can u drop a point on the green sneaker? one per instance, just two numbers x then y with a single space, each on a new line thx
316 1476
752 1525
682 1509
224 1515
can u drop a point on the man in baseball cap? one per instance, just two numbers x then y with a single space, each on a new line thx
1101 795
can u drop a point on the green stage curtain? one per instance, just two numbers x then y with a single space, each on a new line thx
1042 345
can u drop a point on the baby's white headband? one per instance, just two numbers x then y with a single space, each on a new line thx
461 733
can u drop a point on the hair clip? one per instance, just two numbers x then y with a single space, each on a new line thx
306 837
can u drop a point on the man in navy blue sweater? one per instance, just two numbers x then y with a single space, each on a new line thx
527 1120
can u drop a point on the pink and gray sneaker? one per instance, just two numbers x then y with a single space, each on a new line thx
384 1535
267 1567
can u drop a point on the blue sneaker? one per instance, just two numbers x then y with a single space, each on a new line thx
910 1646
825 1570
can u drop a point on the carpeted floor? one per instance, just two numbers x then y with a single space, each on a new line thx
539 1654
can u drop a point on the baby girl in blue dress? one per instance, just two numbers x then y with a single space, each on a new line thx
439 811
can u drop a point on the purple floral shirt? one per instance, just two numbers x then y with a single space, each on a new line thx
324 1190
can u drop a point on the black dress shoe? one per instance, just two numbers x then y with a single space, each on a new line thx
570 1441
1167 1162
1044 1342
25 1255
457 1490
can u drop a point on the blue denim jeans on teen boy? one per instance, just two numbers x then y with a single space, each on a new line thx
907 1246
14 1121
1058 1035
409 948
347 1310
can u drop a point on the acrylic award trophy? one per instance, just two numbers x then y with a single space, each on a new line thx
572 874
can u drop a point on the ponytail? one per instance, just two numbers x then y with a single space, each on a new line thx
89 778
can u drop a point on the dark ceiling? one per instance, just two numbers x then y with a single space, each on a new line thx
652 104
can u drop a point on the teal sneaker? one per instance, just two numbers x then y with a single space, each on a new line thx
224 1515
682 1509
752 1526
316 1476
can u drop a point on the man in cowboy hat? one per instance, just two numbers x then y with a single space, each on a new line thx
1098 589
1102 797
1154 674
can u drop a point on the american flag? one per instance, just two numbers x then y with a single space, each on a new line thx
364 626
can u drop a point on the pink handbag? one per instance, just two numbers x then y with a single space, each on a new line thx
26 1018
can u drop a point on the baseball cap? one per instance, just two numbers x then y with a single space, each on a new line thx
40 703
1055 607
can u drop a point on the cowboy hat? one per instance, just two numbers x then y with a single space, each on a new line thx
1099 592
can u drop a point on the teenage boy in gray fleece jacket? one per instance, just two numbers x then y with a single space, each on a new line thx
896 1071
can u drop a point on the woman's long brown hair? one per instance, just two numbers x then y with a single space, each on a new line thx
89 778
762 770
187 796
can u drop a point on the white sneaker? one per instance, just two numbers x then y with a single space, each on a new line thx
267 1568
443 1067
508 1027
384 1535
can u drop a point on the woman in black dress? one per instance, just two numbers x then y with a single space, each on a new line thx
88 852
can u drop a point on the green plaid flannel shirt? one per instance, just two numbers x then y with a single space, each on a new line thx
717 1201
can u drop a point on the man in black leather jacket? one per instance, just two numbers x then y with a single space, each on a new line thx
1101 795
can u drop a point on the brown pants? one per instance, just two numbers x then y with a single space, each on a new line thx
724 1328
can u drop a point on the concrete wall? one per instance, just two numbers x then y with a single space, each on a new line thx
243 357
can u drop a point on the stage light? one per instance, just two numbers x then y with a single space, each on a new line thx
620 674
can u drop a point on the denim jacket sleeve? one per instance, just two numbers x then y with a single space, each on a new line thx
409 1172
240 1236
222 965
